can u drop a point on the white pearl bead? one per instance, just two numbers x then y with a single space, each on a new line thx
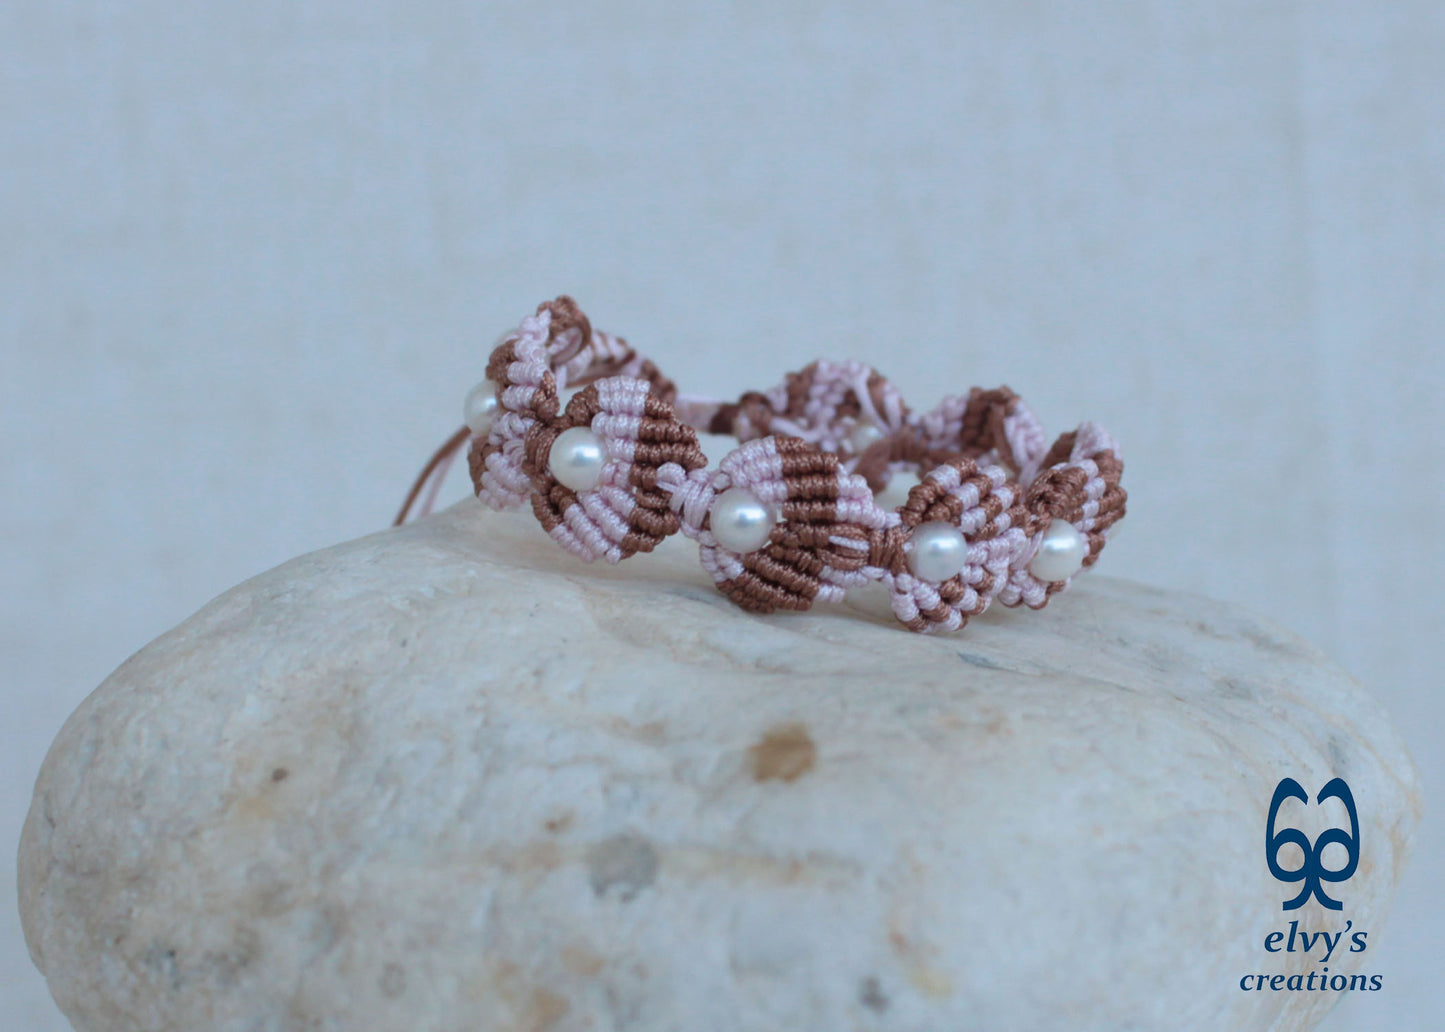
739 521
936 551
577 458
864 435
480 409
1061 553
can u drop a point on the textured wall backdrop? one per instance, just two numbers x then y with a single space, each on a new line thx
252 255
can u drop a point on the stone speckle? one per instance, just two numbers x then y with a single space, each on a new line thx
447 777
625 862
785 753
393 980
871 995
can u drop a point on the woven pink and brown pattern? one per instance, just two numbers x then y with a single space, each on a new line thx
573 422
987 508
820 544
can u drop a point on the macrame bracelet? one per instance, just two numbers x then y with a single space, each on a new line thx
790 517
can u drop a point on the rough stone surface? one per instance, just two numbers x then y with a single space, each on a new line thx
447 778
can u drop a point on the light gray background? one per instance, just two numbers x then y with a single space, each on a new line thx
252 255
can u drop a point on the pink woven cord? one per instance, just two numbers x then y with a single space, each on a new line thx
817 560
504 484
1090 441
595 527
984 463
829 387
689 495
1025 435
988 559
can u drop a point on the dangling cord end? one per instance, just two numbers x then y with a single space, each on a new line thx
436 468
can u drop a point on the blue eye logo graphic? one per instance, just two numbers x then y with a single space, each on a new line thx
1312 870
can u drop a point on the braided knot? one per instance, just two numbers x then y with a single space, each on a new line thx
812 452
984 506
819 546
689 494
1078 484
624 511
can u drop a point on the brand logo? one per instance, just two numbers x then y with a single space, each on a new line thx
1312 870
1327 939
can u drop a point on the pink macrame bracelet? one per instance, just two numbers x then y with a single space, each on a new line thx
790 516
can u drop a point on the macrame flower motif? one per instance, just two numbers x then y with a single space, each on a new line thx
850 409
1079 484
819 544
521 370
990 426
984 506
843 407
623 511
573 422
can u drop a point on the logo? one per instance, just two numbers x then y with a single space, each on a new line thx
1312 870
1317 944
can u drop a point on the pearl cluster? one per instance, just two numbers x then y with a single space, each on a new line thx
935 551
835 482
938 551
742 523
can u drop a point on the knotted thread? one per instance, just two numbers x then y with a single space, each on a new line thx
814 448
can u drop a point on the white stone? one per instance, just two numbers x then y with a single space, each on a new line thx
447 777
